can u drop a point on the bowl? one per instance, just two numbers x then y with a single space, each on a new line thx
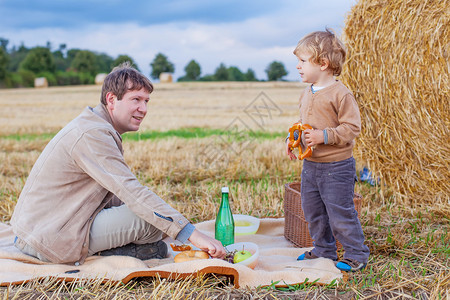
244 225
252 247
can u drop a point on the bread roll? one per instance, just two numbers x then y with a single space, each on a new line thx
190 255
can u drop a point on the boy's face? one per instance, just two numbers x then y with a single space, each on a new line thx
309 72
128 113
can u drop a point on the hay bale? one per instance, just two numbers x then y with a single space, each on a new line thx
165 77
100 78
398 68
40 82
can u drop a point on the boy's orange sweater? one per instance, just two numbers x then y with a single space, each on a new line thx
334 109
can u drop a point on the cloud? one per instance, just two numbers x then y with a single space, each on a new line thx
210 32
73 13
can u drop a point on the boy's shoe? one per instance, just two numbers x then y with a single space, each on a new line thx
350 265
145 251
307 255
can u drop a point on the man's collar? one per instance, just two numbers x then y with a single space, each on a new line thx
103 113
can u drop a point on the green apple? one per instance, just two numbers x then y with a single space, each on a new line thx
241 255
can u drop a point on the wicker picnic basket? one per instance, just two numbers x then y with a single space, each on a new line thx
295 226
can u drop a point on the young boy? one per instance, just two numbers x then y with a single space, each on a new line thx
328 176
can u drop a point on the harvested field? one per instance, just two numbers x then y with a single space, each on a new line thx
172 106
410 246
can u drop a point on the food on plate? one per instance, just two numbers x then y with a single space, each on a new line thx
235 256
242 223
190 255
241 255
229 257
180 247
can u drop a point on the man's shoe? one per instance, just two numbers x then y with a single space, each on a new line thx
350 265
307 255
145 251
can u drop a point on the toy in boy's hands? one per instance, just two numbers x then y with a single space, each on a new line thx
296 143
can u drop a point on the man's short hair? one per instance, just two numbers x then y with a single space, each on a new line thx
122 79
323 45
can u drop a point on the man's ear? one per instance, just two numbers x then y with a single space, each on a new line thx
110 100
325 64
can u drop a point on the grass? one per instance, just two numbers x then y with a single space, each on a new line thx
410 246
196 132
184 133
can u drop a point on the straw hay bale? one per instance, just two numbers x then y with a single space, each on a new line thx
398 68
40 82
165 77
100 78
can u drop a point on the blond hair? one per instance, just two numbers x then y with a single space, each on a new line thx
324 46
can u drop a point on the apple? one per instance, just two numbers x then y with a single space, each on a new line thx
241 255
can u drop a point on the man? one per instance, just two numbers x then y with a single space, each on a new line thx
81 198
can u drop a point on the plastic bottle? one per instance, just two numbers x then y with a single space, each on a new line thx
224 221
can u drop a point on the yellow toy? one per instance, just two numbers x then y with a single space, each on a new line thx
296 143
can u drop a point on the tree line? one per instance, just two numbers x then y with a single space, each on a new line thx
19 66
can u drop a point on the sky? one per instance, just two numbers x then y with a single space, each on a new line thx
242 33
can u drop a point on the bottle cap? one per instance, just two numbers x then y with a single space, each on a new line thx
225 190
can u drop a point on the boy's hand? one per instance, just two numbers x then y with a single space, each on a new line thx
313 137
289 151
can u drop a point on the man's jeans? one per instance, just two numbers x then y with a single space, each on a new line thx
327 201
118 226
112 227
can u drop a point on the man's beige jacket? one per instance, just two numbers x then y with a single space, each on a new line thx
80 171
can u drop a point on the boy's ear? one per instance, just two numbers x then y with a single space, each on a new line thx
324 64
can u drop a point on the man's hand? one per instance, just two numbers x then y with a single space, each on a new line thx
208 244
289 151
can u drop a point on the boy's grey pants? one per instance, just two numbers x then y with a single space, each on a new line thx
112 227
327 201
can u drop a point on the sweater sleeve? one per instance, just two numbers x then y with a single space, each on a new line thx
349 122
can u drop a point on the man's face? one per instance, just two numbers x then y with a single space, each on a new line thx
128 113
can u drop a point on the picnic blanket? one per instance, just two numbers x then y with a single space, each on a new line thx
276 265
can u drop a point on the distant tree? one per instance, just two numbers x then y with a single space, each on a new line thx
161 64
207 77
124 58
234 74
62 47
60 61
71 53
84 62
192 70
221 73
4 44
250 75
17 55
4 60
39 59
275 71
104 62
